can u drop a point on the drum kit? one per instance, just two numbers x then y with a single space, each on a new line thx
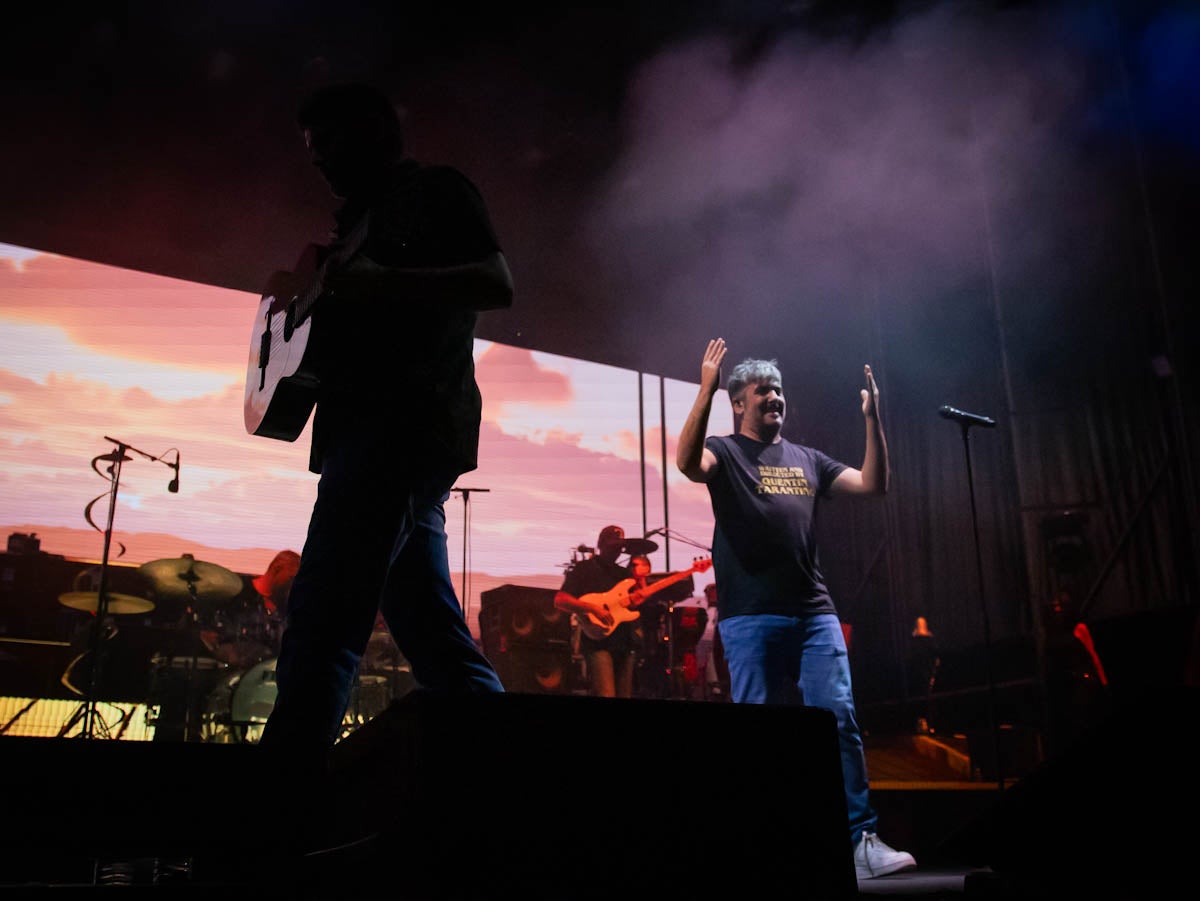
212 675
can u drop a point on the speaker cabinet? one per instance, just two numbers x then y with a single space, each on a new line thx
519 615
541 796
546 669
527 639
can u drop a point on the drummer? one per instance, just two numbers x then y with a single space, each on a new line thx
275 584
274 587
256 626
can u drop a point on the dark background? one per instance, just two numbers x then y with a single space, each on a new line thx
992 203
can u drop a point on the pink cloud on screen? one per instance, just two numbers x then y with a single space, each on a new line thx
131 314
512 374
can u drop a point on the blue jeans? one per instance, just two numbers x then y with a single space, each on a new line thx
802 660
376 544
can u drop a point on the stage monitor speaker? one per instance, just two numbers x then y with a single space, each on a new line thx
542 796
1107 817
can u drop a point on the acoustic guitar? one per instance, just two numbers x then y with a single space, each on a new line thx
281 374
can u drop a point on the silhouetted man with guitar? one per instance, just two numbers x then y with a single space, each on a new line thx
378 334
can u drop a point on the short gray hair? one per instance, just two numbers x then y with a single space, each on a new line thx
751 370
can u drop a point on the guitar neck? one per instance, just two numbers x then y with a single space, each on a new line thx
354 241
304 304
666 582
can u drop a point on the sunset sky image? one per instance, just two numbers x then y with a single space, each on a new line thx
92 352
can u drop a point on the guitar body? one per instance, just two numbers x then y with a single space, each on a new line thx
617 601
281 378
281 372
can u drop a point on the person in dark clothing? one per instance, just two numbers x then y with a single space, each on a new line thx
782 639
275 585
394 330
249 628
609 636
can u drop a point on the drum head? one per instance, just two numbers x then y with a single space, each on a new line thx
254 695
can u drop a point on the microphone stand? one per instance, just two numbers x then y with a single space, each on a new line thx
117 457
987 633
466 496
672 685
672 535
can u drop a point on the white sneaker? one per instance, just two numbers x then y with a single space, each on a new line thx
874 857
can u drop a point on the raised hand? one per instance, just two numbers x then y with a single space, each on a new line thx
870 395
710 366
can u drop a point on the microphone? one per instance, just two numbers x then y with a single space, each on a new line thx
653 532
173 485
967 419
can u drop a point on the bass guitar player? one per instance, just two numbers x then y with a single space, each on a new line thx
604 596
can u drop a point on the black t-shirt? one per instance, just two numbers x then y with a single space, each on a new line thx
597 575
397 368
764 499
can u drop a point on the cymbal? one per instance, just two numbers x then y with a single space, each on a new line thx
186 579
639 546
89 601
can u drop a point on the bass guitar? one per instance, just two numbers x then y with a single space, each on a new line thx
281 375
623 599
